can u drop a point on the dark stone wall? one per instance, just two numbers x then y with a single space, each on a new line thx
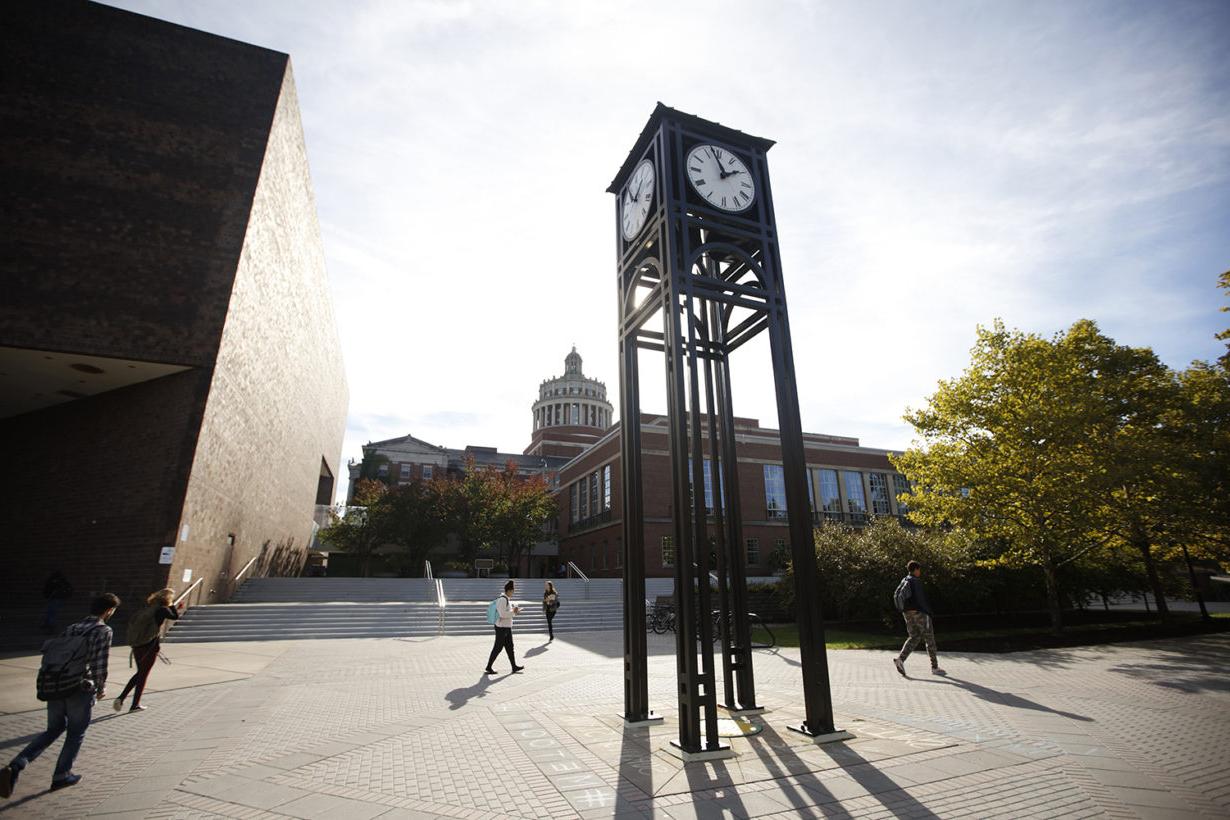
93 487
156 205
129 154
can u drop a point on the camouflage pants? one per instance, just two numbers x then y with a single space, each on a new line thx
918 624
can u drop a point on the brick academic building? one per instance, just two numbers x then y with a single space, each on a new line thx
172 394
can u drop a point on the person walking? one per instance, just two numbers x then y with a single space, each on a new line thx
505 612
917 612
144 636
550 605
71 713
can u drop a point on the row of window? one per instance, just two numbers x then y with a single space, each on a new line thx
751 550
836 491
426 471
570 391
601 557
590 497
554 415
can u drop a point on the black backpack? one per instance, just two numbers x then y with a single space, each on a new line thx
63 672
903 594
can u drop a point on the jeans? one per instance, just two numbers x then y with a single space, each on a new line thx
550 627
503 640
918 624
73 714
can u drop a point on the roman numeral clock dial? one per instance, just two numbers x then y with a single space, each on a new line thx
635 201
720 178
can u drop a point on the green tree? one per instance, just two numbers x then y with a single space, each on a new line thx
1223 282
521 505
415 519
469 504
362 529
1005 451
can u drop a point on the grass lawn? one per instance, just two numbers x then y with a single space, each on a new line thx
1008 634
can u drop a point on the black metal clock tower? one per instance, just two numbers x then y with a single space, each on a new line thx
698 252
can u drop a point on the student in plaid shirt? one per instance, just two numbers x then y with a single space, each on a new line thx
72 713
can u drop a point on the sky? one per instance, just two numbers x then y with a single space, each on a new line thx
938 166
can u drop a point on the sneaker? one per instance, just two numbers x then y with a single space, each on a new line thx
489 672
118 705
136 708
517 669
935 670
8 779
71 780
897 662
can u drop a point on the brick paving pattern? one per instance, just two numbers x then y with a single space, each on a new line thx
409 728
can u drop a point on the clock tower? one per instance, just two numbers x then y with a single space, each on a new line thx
699 275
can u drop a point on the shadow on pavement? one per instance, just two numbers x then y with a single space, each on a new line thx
461 696
1198 667
1002 698
535 651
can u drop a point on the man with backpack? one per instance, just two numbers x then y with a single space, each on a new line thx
911 602
502 617
72 677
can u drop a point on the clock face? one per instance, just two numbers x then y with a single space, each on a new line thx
636 199
720 178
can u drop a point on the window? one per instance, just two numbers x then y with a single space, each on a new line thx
781 549
405 471
830 500
774 491
584 493
668 551
856 501
880 505
594 490
606 487
573 502
427 472
811 492
382 470
708 468
753 551
901 486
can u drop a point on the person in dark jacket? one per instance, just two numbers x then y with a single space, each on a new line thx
917 614
146 652
71 713
550 605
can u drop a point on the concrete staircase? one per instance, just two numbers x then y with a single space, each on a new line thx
308 608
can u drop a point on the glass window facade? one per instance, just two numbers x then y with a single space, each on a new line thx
753 551
856 501
574 503
830 498
774 491
606 487
880 505
668 551
901 486
594 492
427 472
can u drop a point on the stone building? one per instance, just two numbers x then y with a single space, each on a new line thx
571 413
848 484
174 397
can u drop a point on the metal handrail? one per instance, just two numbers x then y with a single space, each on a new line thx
188 591
246 567
574 568
441 606
427 570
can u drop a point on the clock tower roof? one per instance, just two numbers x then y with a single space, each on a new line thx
691 121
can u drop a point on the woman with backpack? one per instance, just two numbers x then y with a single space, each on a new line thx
550 605
144 631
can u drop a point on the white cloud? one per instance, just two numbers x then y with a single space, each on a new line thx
936 167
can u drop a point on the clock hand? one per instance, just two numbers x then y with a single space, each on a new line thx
718 159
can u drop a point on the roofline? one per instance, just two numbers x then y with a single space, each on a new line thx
691 121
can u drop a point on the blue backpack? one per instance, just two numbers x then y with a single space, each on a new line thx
493 614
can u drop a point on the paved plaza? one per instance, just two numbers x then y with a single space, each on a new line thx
409 728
